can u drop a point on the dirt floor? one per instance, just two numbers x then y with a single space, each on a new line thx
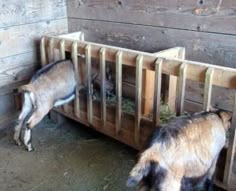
68 157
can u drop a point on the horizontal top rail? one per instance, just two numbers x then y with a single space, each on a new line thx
223 76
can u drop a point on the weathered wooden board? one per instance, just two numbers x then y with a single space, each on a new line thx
126 134
200 15
7 118
27 11
6 104
17 68
221 97
25 38
223 76
210 48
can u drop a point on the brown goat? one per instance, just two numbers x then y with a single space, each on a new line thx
51 86
180 152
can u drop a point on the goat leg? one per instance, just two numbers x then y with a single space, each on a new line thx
17 132
27 107
28 139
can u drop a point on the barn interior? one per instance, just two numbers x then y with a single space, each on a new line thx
68 155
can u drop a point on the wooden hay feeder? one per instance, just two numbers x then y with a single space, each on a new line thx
134 129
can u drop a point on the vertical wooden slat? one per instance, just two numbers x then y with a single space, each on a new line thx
62 49
148 91
170 85
43 52
51 50
138 97
181 89
157 92
208 89
62 57
231 147
89 82
118 90
103 85
75 62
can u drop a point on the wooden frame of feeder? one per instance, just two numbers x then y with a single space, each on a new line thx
170 62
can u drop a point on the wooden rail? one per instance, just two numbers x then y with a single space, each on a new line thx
160 63
224 77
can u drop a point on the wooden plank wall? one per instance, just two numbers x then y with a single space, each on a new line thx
22 24
206 28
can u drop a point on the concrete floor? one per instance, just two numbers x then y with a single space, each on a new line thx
68 157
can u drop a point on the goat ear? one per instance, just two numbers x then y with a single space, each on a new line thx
26 88
108 73
212 109
225 116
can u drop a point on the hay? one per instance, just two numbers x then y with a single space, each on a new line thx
128 106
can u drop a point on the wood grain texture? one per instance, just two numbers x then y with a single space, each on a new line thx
157 93
194 15
25 38
8 117
208 89
231 148
18 12
74 57
203 47
6 104
181 89
221 97
138 97
102 56
89 82
119 86
224 76
17 68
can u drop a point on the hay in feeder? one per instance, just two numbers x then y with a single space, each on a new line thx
128 106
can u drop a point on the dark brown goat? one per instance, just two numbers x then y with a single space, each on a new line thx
185 149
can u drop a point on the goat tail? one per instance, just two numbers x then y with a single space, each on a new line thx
26 88
29 90
142 168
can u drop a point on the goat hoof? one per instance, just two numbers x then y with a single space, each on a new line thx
30 148
18 142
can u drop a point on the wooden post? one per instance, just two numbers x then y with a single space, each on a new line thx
148 91
231 147
89 82
75 63
157 92
138 97
43 52
62 49
118 90
170 89
181 89
103 85
208 89
62 57
51 50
